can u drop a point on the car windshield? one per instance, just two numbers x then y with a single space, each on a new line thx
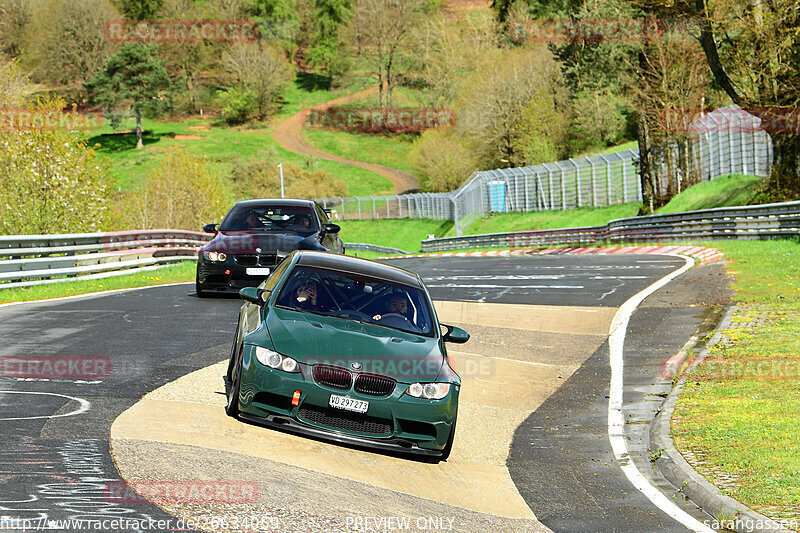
270 218
356 297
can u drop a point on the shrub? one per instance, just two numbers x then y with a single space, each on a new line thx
442 163
184 191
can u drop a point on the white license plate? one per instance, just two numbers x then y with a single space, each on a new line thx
348 404
257 271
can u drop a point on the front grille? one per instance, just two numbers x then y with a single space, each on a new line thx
374 385
346 421
333 376
256 260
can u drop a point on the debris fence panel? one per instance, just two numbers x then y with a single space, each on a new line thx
727 141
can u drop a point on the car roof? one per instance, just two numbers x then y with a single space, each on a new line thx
275 202
356 265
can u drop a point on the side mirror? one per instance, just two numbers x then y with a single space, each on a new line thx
254 295
455 335
331 228
210 228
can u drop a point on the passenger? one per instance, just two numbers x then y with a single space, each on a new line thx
306 296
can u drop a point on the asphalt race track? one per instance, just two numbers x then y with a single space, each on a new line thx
56 461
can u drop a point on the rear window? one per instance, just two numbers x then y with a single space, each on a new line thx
270 218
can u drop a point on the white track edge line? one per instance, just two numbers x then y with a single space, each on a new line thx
616 419
59 299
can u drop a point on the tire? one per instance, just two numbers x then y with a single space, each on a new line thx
449 446
233 387
199 288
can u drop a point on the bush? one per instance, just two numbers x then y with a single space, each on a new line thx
259 177
236 104
599 119
184 191
50 180
442 163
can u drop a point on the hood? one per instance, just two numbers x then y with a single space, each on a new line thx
314 339
247 242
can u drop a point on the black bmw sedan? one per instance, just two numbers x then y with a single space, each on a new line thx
255 236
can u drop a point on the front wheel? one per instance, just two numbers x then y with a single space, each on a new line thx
199 288
235 385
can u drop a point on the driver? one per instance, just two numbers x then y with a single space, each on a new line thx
252 220
398 305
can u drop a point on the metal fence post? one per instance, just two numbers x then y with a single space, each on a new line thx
374 210
594 182
624 181
608 179
578 182
388 214
359 207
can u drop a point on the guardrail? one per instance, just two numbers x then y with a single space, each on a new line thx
364 247
756 222
40 259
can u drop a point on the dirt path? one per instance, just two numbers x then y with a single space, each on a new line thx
289 135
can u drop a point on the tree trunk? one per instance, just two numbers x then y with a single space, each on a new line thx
139 143
786 166
709 46
380 86
645 162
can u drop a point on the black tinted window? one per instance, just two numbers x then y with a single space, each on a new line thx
270 218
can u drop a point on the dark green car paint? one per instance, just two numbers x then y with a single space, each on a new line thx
417 424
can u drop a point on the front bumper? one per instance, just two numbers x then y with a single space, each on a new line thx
229 275
395 422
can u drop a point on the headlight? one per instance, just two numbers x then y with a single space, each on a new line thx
273 359
215 256
429 391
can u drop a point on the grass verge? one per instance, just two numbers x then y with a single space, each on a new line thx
404 233
183 271
736 189
739 406
389 150
570 218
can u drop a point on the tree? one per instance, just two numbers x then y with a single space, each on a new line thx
14 16
135 79
381 31
184 191
186 58
277 20
50 180
14 85
259 73
327 48
442 162
448 51
752 49
66 42
672 83
496 97
139 9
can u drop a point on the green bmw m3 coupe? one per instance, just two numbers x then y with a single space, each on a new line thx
347 350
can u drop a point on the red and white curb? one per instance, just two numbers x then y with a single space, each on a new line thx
702 254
